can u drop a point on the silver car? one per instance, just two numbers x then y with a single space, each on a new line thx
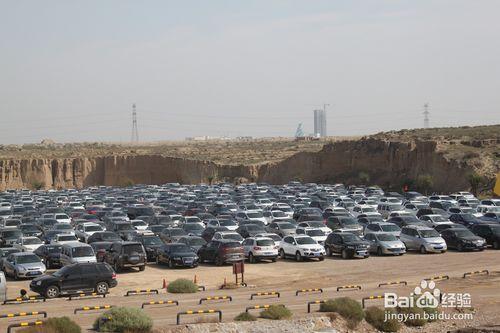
422 239
23 265
385 243
382 227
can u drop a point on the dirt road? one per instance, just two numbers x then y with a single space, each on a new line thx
287 277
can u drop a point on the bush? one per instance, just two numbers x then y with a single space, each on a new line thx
432 313
55 325
124 320
348 308
245 316
376 317
416 316
182 286
276 312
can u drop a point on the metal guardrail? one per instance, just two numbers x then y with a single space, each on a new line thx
216 298
311 290
29 299
24 314
267 293
167 302
484 271
142 292
24 324
392 283
193 312
92 308
438 278
257 307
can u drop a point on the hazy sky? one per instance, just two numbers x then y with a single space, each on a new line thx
70 70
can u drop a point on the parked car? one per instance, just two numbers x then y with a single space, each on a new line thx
103 236
349 245
9 236
422 239
433 220
27 244
126 255
87 229
100 249
315 233
249 230
385 243
281 228
232 235
221 252
151 244
29 229
50 255
77 252
301 247
383 227
260 248
193 228
177 254
63 239
463 239
315 224
23 265
75 278
193 241
344 224
172 235
490 232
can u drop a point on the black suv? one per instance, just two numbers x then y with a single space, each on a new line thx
347 244
221 251
50 255
75 278
177 254
463 239
490 232
151 244
126 254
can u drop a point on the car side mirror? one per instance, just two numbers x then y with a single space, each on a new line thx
294 243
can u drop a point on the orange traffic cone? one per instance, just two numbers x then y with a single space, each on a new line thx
195 280
164 284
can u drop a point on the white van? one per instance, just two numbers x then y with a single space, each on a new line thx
76 252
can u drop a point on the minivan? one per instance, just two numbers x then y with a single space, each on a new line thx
77 252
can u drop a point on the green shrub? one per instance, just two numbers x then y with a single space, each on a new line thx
276 312
245 316
55 325
348 308
432 313
376 317
124 320
416 316
182 286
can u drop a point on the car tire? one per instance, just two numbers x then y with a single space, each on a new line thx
157 259
170 264
344 254
379 251
52 292
251 258
142 268
16 276
116 267
273 259
218 261
101 288
321 258
423 250
298 256
328 251
460 247
282 254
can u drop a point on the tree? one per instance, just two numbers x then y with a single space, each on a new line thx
475 181
210 179
364 178
425 183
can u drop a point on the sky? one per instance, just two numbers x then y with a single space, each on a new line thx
71 70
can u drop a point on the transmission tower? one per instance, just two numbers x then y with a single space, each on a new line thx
135 132
426 115
299 132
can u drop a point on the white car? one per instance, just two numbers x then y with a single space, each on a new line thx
64 239
233 235
62 218
139 224
87 229
258 248
316 224
300 247
365 209
251 216
28 244
315 233
275 237
433 220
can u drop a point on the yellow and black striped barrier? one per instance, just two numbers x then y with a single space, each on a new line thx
216 298
193 312
24 324
392 283
29 299
349 287
168 302
267 293
93 308
438 278
364 299
142 292
314 302
310 290
86 295
257 307
484 271
24 314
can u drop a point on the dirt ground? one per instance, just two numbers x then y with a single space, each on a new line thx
287 277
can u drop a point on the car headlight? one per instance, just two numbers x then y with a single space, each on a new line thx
38 283
350 247
177 258
21 269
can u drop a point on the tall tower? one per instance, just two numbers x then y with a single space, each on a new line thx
320 122
135 132
426 115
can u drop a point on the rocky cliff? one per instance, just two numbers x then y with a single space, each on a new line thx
384 162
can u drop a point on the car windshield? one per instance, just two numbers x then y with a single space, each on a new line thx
180 248
28 228
177 232
109 236
265 242
63 227
349 221
305 241
132 248
463 233
256 215
390 227
278 213
82 251
431 233
32 241
53 249
439 218
495 229
196 241
27 259
235 236
193 226
350 237
227 223
253 227
286 226
65 238
369 210
316 224
315 232
93 228
152 241
12 234
124 227
387 237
